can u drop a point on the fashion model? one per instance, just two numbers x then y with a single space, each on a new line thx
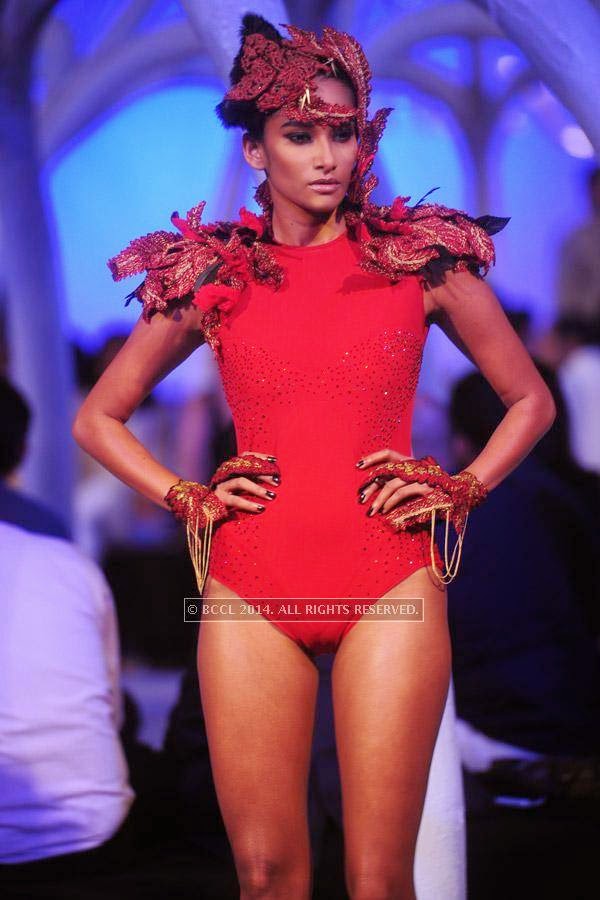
317 311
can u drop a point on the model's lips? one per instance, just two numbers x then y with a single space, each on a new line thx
324 186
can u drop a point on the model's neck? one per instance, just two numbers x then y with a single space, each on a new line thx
293 225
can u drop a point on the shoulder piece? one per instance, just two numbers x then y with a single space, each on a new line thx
172 261
425 239
195 262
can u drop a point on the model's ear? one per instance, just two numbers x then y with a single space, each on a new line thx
253 152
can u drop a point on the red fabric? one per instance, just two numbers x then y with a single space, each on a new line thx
319 374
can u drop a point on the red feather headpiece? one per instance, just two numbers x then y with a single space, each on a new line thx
281 76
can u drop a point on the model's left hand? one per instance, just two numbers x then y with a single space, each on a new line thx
390 492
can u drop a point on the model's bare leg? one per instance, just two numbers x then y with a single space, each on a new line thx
389 681
258 693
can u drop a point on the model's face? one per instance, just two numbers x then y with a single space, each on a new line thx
308 166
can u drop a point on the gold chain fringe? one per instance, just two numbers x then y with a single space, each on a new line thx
449 575
199 548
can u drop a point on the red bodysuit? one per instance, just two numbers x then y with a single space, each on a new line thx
318 374
319 350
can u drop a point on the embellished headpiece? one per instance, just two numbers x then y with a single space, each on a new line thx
276 73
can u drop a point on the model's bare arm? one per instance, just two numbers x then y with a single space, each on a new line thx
469 312
152 350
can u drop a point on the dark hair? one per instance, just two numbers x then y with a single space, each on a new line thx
476 411
245 113
593 177
570 326
15 416
520 319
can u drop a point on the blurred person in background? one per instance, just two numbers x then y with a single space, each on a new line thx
578 287
64 786
525 663
177 420
16 506
106 511
571 349
64 781
443 365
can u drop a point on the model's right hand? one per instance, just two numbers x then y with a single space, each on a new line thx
225 491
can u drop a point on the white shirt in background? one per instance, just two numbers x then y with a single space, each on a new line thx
579 378
64 782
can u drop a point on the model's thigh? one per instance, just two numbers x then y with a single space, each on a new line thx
258 692
390 681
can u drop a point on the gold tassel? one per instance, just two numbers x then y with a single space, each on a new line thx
448 576
199 550
305 98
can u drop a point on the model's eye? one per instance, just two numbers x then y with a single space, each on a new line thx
299 137
343 134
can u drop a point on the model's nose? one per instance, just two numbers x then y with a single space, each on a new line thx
325 157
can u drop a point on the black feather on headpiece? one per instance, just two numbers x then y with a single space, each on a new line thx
243 113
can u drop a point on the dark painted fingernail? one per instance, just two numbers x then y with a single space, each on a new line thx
272 458
271 494
361 499
276 479
371 511
261 507
359 464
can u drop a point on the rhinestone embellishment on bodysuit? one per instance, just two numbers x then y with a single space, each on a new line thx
256 379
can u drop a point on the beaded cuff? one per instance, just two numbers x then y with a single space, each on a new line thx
199 508
243 465
452 495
